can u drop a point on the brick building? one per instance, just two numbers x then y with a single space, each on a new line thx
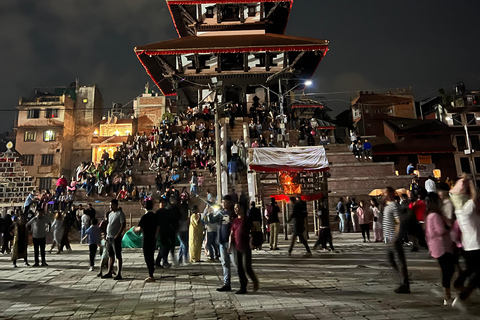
369 110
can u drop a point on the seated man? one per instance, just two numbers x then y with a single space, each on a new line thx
175 177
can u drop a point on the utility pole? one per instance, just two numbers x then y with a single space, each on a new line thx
217 148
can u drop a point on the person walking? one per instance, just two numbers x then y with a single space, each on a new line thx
254 217
299 214
271 214
393 235
20 240
224 217
377 221
116 226
39 226
353 215
232 171
149 227
93 234
242 242
465 199
364 213
195 235
211 229
5 229
325 235
440 245
341 214
57 228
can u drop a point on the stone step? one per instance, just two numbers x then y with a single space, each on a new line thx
341 157
361 169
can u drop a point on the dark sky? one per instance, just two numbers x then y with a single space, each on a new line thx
374 45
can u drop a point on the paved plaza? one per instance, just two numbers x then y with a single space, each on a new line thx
353 283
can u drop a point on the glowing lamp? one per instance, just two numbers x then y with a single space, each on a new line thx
448 118
308 83
437 173
117 133
416 172
396 173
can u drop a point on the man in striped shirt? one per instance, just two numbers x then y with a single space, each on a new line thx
391 228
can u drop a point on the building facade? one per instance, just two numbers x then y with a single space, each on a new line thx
460 110
51 128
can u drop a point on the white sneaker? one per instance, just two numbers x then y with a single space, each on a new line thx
91 269
447 302
459 304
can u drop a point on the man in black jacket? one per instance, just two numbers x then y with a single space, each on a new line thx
299 214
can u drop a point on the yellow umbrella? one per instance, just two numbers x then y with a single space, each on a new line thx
376 193
401 191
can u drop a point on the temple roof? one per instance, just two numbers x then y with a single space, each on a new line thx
223 44
314 50
279 19
406 126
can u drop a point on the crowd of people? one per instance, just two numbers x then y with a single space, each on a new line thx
445 221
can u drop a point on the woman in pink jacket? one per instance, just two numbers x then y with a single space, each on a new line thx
439 241
364 216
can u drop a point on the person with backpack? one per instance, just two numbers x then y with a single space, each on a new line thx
271 214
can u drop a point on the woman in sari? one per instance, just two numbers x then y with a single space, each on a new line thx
20 241
195 236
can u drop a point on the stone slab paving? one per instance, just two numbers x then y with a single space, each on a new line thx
353 283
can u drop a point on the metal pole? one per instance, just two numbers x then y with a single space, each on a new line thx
217 151
469 146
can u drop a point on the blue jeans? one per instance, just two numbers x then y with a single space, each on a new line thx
212 245
183 251
83 230
348 219
89 189
341 225
226 264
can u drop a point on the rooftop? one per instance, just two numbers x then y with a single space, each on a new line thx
406 126
245 43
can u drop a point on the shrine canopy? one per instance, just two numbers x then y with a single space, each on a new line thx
298 159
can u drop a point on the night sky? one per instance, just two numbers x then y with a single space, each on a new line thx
374 45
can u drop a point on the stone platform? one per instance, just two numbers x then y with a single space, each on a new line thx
354 283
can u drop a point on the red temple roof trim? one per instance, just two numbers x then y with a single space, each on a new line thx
299 106
233 44
193 2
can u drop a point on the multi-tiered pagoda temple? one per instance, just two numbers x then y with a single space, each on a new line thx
238 42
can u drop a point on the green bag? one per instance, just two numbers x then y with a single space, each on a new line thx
132 240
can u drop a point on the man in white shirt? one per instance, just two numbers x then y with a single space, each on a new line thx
430 185
39 226
234 150
116 226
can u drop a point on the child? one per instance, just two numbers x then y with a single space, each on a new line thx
93 233
104 255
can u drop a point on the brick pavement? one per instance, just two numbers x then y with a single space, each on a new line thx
354 283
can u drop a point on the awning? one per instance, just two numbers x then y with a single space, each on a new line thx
322 124
299 159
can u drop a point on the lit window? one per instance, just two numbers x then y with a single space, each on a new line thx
51 113
30 136
49 135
